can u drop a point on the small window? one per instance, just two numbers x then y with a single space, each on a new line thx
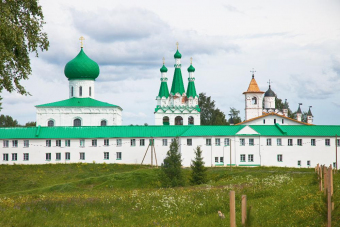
250 158
251 142
133 142
226 142
90 91
48 156
71 91
106 156
279 157
5 143
299 142
338 142
312 142
57 156
26 157
119 142
76 122
274 121
283 121
67 156
264 121
279 142
5 157
242 142
189 142
106 142
103 123
327 142
165 142
26 143
14 143
178 120
334 165
221 160
14 156
216 159
208 142
269 142
119 155
254 101
94 143
191 121
58 143
67 143
242 158
48 143
217 142
142 142
299 163
308 163
80 91
82 143
50 123
290 142
82 156
166 121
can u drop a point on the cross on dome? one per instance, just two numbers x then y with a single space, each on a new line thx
163 60
269 82
81 41
177 45
191 61
253 71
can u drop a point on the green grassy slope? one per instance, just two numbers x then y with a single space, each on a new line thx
130 195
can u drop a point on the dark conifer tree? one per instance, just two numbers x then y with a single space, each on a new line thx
199 171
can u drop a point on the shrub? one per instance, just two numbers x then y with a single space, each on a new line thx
199 171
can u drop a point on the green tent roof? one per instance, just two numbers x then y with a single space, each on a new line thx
191 91
165 131
81 68
78 102
177 82
163 90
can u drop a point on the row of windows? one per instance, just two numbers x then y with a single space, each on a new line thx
165 142
5 157
81 91
283 121
76 123
178 120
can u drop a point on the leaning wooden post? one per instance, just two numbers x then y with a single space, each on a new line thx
317 169
244 210
331 183
329 198
232 209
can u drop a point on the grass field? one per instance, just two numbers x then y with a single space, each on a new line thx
130 195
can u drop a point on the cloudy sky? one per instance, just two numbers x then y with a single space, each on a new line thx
295 44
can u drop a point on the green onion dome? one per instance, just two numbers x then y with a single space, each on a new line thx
191 69
81 68
163 69
178 54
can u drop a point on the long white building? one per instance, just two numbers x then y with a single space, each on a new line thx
254 145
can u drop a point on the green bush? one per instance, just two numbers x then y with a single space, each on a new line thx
199 171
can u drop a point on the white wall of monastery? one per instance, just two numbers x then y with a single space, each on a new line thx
185 115
270 120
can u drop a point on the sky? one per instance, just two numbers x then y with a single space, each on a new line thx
294 44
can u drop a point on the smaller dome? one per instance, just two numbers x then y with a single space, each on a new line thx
163 69
269 93
191 69
177 54
81 68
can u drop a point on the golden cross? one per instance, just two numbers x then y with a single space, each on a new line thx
81 41
177 45
191 61
163 60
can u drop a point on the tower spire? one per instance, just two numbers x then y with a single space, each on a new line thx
177 82
191 90
163 90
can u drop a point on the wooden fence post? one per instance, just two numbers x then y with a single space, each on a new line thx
318 169
329 198
232 209
325 180
244 210
320 178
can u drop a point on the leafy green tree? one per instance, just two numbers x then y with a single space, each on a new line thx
171 174
21 33
199 171
235 115
8 121
210 115
31 124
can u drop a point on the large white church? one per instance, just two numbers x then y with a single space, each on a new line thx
83 129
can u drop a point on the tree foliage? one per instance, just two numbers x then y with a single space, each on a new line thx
8 121
198 170
210 115
31 124
171 174
21 33
235 115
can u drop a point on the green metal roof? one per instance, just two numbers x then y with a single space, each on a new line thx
81 68
191 69
163 90
177 82
191 91
164 131
177 54
163 69
78 102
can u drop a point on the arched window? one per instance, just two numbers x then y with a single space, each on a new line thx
103 123
166 121
178 120
50 123
71 91
90 91
80 91
191 120
76 122
254 100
